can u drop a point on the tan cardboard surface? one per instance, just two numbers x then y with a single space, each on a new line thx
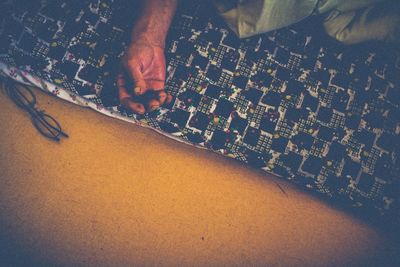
117 194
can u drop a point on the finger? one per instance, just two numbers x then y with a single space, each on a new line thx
162 96
136 74
125 98
136 107
153 104
169 99
121 84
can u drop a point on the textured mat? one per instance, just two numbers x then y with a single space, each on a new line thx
291 102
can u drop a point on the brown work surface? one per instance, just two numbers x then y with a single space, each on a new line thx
116 194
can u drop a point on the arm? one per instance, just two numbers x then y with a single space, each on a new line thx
144 60
155 21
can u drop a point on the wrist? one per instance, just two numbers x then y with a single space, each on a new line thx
153 24
149 38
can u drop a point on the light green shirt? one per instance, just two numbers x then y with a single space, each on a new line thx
250 17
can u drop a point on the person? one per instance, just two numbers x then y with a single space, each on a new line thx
347 21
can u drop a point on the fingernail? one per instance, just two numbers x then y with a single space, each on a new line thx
137 90
162 97
140 109
153 107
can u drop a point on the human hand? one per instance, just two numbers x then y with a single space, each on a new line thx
144 65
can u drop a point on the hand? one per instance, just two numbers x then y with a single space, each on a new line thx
144 65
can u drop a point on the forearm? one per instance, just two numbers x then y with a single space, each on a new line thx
155 19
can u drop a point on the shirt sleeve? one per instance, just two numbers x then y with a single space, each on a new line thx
251 17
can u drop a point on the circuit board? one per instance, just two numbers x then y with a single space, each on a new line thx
291 102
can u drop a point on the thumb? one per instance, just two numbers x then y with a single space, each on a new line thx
135 71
